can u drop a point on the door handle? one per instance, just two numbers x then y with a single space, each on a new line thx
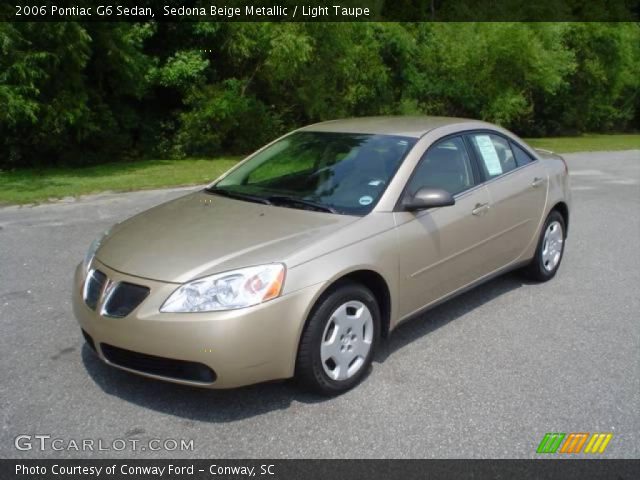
480 209
537 182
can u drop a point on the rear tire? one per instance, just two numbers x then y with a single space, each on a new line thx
338 343
546 261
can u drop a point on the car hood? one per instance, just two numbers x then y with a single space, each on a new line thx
201 234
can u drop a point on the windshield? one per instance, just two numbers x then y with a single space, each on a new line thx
335 172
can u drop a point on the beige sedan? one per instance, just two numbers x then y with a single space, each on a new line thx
301 258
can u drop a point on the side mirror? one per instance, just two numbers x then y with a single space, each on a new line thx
428 198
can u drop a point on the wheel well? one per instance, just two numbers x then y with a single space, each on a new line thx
563 210
378 286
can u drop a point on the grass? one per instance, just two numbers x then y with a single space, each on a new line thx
587 143
35 186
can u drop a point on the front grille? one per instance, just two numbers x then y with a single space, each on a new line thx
123 299
93 288
164 367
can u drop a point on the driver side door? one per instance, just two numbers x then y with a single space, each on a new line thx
443 249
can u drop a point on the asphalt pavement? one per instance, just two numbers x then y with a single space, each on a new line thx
484 375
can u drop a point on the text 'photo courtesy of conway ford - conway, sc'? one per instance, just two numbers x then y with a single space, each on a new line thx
299 260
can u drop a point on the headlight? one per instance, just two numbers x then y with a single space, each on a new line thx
93 248
229 290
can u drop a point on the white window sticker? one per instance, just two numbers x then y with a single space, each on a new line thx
366 200
489 154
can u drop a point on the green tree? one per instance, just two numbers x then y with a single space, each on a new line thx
89 92
69 91
602 93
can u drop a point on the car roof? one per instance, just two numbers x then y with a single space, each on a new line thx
406 126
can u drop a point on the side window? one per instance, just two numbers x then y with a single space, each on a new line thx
494 153
446 165
522 157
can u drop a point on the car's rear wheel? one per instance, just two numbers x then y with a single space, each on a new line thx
339 340
546 261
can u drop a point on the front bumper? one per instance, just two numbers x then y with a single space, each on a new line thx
242 347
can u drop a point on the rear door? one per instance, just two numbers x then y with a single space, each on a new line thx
517 185
442 249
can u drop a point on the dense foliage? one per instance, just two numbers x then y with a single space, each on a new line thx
74 93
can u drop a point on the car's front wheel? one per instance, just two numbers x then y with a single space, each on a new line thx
546 261
338 343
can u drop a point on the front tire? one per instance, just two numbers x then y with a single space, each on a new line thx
546 261
339 340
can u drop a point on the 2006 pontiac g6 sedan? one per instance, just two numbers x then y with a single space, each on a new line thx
301 258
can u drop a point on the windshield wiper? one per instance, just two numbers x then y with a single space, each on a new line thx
238 195
279 199
272 199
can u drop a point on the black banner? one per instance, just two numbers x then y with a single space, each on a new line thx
320 10
319 469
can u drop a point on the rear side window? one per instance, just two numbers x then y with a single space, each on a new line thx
494 153
522 157
446 165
